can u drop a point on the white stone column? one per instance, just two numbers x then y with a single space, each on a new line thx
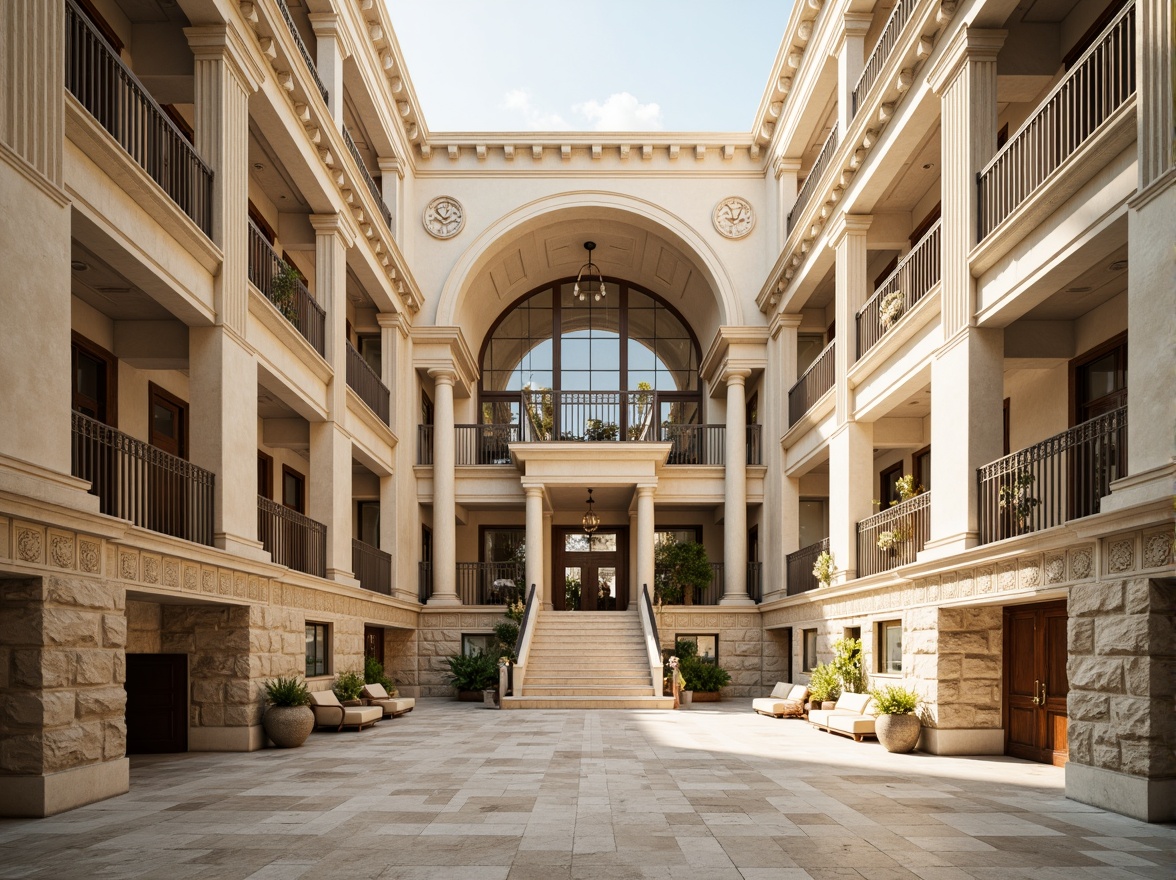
851 478
851 58
444 491
735 493
391 171
222 368
547 582
330 55
535 557
967 377
646 520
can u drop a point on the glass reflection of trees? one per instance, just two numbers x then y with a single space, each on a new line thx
610 370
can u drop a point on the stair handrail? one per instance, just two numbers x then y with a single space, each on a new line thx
526 629
652 640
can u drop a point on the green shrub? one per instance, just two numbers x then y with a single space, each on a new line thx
373 673
703 676
894 699
847 661
348 685
507 634
287 692
824 683
474 673
681 571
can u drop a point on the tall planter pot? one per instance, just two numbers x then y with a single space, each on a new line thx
288 726
898 733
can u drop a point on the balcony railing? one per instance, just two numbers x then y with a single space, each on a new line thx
915 274
135 481
367 178
479 583
695 444
372 567
589 415
484 444
302 49
882 49
1052 482
813 385
295 303
1094 88
712 594
424 444
362 379
895 536
799 568
814 176
97 77
293 540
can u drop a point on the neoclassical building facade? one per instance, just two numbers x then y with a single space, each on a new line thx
291 380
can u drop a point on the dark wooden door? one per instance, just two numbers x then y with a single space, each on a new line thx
157 703
1035 682
590 572
373 643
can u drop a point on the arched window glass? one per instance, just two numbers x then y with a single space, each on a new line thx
606 369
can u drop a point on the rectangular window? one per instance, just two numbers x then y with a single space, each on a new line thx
889 477
473 644
923 468
265 475
316 649
809 660
706 646
890 647
293 489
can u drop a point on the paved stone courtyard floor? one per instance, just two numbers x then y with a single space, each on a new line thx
454 790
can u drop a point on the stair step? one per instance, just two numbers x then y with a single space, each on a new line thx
565 702
590 690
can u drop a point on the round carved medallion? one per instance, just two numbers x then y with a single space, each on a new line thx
733 217
444 217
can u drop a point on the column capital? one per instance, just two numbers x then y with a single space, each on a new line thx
393 321
646 489
735 376
853 24
219 42
785 165
782 321
843 225
530 490
443 375
335 224
968 44
326 24
390 165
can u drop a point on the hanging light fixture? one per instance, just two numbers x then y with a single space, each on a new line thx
590 521
586 277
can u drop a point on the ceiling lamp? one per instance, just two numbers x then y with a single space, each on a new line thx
590 521
589 269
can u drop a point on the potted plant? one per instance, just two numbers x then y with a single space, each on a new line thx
898 727
704 680
348 687
283 286
472 674
890 309
373 673
683 571
1016 500
288 719
847 663
823 568
824 686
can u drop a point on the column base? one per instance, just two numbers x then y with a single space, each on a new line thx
1149 800
737 599
962 741
246 548
342 577
941 548
226 739
444 602
38 796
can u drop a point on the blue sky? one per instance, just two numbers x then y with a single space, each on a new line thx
607 65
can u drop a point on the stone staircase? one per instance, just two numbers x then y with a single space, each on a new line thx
588 660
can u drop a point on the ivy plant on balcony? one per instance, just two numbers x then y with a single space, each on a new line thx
823 568
283 290
890 309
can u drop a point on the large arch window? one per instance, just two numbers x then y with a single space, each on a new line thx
624 367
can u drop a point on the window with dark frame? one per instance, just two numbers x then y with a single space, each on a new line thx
809 650
890 647
265 475
706 645
95 381
923 469
889 491
317 645
473 644
293 489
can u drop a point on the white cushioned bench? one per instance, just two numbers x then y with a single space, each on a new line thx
852 715
786 701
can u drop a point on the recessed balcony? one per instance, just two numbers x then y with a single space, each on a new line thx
799 567
915 274
894 536
372 567
275 278
813 384
362 379
293 540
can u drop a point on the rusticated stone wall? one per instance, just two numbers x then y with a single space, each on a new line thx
400 651
439 638
1122 671
750 659
216 640
954 659
62 668
144 627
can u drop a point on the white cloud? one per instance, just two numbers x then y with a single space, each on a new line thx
534 119
621 112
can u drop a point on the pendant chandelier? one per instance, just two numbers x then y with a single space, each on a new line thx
587 271
590 521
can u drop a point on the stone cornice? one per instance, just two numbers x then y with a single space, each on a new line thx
738 349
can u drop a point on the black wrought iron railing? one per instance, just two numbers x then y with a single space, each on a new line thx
589 415
712 594
302 50
270 274
1098 84
799 568
915 274
367 178
372 567
881 51
894 536
695 444
479 583
138 482
483 444
814 176
813 384
646 598
113 95
292 540
1062 478
364 381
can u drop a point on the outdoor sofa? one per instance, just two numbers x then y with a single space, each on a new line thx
785 701
852 715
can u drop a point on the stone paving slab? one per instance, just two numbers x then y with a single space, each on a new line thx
454 791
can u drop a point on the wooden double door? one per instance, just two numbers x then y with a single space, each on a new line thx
590 571
1035 683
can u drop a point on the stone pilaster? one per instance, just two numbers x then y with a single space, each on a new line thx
781 509
62 667
444 489
851 478
787 188
735 492
391 173
847 236
332 51
1122 730
851 59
